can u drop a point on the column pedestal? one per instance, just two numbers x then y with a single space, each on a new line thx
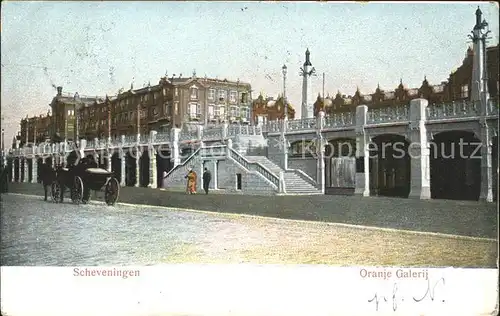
420 185
123 174
153 171
214 174
34 170
138 167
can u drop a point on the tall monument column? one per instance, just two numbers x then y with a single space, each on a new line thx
307 98
480 96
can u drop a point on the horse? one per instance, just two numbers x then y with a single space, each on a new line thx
47 176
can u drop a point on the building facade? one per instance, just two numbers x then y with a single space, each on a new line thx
456 88
35 129
268 109
209 101
64 109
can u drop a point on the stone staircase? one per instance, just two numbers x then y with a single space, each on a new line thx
254 145
295 184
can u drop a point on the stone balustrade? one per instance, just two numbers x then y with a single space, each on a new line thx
453 110
395 115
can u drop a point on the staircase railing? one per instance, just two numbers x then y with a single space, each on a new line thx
266 173
183 163
201 150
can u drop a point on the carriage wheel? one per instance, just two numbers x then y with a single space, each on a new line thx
55 190
77 190
112 191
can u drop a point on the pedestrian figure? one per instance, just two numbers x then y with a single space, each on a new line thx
191 182
164 180
207 176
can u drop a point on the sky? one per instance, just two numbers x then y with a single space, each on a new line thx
96 48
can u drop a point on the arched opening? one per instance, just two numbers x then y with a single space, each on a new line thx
340 166
455 166
144 168
116 166
390 166
22 174
10 164
130 169
163 164
29 162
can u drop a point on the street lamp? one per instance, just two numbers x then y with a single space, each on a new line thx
284 92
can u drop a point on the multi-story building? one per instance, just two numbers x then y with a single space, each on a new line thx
456 88
64 108
207 100
35 129
173 102
128 113
269 109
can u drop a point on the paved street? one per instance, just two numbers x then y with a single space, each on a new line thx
35 232
466 218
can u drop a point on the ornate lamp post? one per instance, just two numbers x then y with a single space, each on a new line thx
479 73
284 69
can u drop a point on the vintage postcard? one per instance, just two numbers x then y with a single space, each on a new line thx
249 158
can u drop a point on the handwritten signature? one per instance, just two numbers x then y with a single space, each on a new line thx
430 294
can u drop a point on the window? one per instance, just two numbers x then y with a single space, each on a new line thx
222 111
211 94
193 109
222 95
232 96
211 112
233 112
244 112
164 92
244 97
194 93
154 111
464 91
155 96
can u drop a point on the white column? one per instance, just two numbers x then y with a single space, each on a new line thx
123 174
362 153
20 169
174 136
320 151
34 170
13 169
138 166
420 185
26 170
153 170
214 173
486 163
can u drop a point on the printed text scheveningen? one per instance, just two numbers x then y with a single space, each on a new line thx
105 272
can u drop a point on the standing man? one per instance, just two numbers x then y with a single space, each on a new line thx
207 176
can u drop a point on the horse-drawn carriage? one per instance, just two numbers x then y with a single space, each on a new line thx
82 178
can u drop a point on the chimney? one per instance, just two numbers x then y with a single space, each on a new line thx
59 91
